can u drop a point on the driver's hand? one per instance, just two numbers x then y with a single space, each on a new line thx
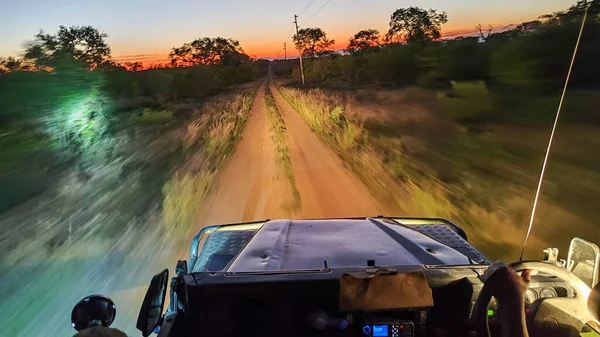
100 331
509 289
507 286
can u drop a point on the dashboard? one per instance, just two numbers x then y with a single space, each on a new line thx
541 287
547 290
309 305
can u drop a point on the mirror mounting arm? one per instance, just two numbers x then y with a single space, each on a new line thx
551 254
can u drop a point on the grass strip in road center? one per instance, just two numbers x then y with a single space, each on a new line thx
279 138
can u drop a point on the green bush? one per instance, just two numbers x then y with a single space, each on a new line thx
150 116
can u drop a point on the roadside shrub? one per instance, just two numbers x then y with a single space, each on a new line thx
246 72
285 68
337 116
150 116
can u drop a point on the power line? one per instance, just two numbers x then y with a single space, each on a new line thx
289 34
317 12
306 7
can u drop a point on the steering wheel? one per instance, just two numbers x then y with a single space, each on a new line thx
582 291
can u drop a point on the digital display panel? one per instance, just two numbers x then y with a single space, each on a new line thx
380 331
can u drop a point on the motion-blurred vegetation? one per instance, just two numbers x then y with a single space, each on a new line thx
64 101
458 128
103 167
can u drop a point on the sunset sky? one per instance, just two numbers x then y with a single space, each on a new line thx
147 30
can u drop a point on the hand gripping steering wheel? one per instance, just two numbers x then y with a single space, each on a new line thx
582 291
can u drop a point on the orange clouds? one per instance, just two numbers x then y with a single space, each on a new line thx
147 60
265 49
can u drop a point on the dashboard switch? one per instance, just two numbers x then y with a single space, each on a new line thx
367 330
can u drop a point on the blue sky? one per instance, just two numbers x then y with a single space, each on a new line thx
152 27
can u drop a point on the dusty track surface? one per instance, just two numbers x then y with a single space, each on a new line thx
250 187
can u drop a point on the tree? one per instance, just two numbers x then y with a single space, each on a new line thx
363 40
313 42
575 13
528 26
484 35
209 51
80 43
415 24
12 64
133 66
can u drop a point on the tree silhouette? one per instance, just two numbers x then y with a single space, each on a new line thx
363 40
133 66
12 64
574 13
313 42
415 24
209 51
80 43
484 35
578 9
528 26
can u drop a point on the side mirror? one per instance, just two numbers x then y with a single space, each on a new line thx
594 302
584 261
154 301
93 310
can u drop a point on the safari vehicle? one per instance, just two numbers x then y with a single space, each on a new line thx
372 277
375 277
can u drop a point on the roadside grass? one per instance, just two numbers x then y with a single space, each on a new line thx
328 121
170 168
18 145
346 137
209 140
151 116
278 132
473 103
467 157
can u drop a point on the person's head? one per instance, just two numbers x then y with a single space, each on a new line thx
100 331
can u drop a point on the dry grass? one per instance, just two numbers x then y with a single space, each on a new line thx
216 131
436 167
327 117
278 131
328 120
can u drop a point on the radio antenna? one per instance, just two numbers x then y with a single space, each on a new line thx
550 141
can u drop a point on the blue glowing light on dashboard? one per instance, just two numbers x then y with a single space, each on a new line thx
380 330
367 330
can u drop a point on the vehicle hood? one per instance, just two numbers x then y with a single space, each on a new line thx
287 245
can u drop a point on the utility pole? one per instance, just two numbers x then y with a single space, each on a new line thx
299 50
285 50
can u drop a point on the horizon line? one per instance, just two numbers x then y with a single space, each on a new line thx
151 59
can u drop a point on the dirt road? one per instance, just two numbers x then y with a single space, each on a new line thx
251 188
327 188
